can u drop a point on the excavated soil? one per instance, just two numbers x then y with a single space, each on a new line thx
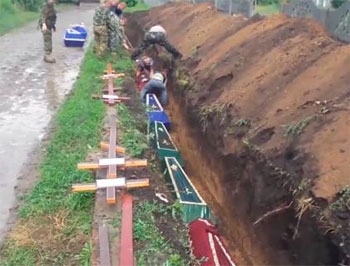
261 109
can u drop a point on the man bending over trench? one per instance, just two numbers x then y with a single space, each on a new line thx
156 86
156 35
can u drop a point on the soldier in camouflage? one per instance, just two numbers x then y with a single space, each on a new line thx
106 30
115 29
114 34
156 35
47 23
100 29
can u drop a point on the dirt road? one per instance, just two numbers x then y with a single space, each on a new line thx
30 93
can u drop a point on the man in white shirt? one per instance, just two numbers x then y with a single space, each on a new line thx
156 35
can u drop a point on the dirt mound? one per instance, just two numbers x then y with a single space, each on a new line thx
280 87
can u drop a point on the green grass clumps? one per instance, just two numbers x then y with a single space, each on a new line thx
154 248
79 124
55 224
12 16
133 139
140 6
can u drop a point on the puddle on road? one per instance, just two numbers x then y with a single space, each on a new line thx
30 93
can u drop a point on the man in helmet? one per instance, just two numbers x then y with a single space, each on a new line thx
156 35
156 86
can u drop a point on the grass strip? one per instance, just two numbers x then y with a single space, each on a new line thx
153 247
140 6
134 138
268 10
54 224
14 18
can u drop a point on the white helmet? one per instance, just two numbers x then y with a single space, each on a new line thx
158 76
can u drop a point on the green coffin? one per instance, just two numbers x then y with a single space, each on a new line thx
151 133
192 204
164 145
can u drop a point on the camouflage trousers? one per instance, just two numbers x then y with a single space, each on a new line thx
113 41
152 38
101 40
47 35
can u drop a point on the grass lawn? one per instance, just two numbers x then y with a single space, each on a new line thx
140 6
267 10
54 224
13 19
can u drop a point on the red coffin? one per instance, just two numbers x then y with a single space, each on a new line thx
207 245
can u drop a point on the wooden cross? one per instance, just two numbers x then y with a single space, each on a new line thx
112 163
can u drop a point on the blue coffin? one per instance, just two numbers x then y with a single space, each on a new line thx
73 38
156 112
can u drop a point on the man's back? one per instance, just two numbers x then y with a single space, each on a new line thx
154 86
100 16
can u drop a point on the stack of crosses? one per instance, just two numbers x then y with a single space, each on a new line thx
112 163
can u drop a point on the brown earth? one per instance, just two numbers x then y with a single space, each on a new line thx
261 111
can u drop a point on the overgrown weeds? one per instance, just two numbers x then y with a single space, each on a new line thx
154 248
140 6
133 137
184 81
296 128
342 203
12 16
211 112
240 123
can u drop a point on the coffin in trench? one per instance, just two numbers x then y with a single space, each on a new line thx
192 204
161 140
155 111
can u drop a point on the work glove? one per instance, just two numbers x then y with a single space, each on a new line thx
43 27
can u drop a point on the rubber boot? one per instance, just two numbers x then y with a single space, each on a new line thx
49 59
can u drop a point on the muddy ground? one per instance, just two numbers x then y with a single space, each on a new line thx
31 91
261 110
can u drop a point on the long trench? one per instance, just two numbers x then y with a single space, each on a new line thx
205 170
229 184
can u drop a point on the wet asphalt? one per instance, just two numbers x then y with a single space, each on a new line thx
30 93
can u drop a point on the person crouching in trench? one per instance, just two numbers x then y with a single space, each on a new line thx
156 86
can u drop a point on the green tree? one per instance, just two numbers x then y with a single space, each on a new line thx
131 3
337 3
268 2
32 5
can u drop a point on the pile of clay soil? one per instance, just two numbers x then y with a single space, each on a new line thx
264 110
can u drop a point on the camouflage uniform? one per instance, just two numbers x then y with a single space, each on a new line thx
100 31
152 38
115 35
49 17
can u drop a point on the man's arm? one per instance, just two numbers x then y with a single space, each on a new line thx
121 36
43 18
